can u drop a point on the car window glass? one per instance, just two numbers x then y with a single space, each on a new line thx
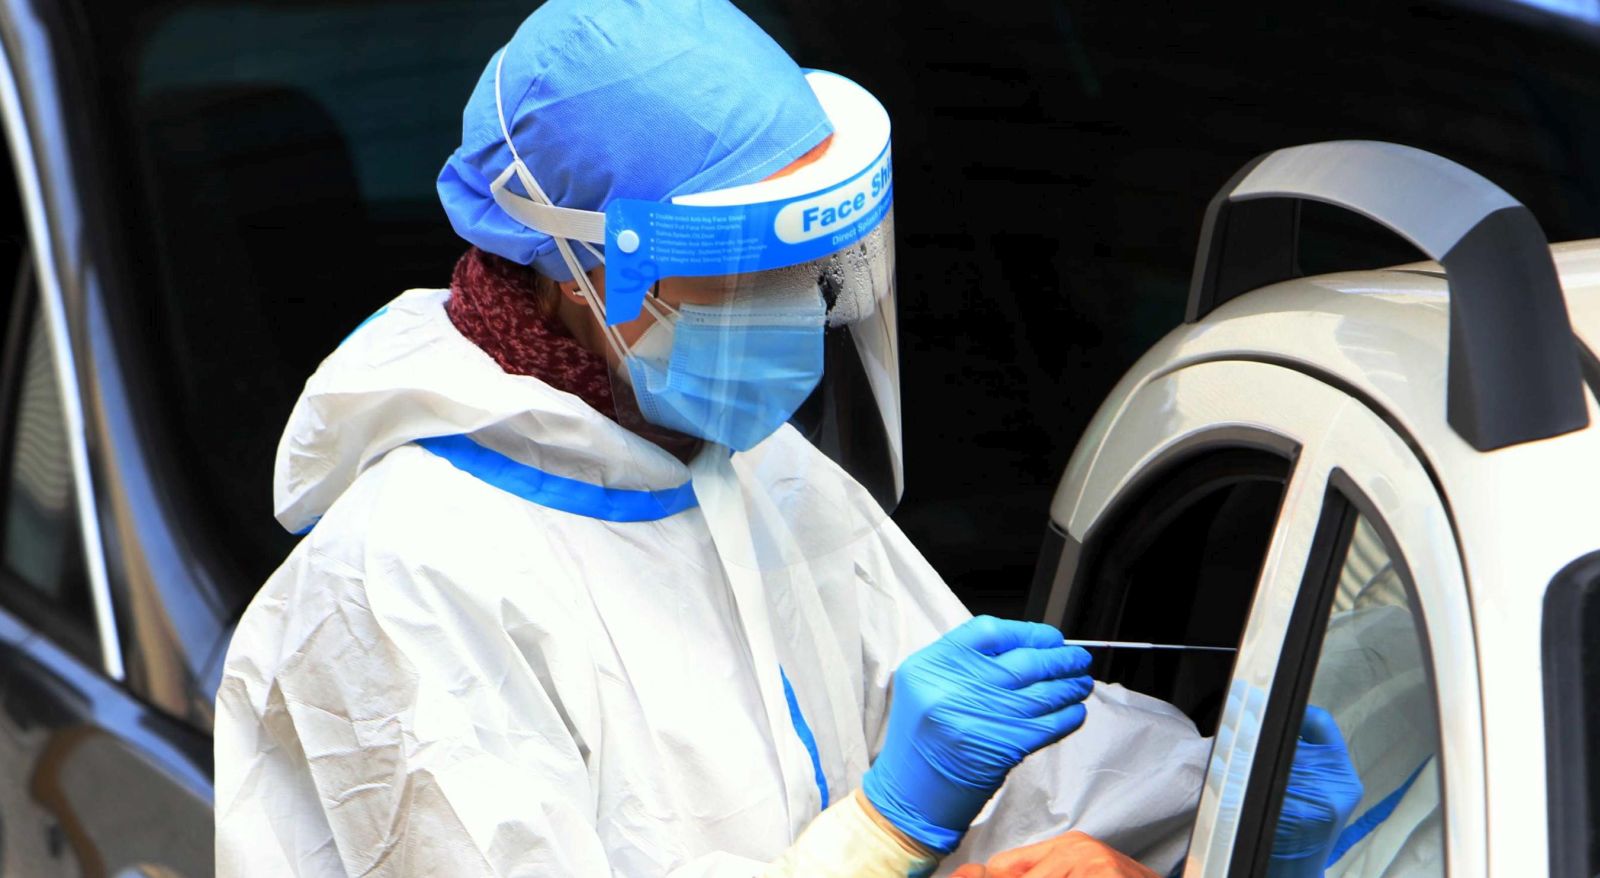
1372 679
41 544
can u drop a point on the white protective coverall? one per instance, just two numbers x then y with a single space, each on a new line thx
445 677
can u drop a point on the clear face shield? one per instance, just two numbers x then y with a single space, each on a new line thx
760 318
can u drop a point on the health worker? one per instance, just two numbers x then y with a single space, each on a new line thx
597 576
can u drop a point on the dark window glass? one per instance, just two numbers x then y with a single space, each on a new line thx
1177 562
41 545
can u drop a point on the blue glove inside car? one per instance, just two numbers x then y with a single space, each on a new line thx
966 709
1323 791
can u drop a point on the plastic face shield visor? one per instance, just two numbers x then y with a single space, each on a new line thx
767 304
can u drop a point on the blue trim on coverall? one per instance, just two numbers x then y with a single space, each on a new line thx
559 492
1362 826
806 738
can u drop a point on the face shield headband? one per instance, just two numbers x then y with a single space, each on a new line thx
699 236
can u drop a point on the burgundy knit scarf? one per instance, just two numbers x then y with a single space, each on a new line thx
494 304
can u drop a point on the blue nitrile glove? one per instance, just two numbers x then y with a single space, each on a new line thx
1323 791
966 709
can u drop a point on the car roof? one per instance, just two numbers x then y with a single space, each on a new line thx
1382 336
1384 332
1578 265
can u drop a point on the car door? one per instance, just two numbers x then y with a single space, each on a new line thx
95 782
1215 509
1362 606
92 780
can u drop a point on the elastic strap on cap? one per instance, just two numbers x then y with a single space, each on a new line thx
568 222
558 222
539 212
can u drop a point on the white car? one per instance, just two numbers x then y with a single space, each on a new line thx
1383 488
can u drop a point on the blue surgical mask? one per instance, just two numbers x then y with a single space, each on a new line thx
730 375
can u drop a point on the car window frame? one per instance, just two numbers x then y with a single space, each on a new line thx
1285 412
1344 504
1572 707
24 164
78 636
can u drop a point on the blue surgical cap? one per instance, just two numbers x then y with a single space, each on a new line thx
641 99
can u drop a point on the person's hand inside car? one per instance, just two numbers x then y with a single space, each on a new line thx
1323 791
1069 855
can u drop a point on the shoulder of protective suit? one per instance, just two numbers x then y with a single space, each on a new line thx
414 554
413 518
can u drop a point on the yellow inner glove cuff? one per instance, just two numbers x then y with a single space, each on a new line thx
845 842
